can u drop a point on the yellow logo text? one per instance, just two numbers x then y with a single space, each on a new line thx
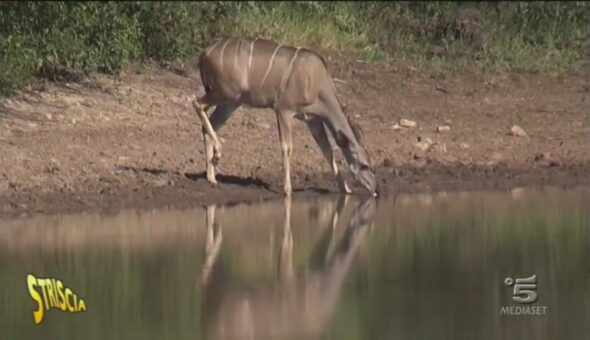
51 293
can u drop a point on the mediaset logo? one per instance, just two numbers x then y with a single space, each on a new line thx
524 293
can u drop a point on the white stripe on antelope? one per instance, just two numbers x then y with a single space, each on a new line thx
294 82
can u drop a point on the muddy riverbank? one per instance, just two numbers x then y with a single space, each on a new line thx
136 142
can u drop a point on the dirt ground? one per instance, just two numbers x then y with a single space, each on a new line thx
136 142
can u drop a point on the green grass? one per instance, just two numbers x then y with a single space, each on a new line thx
67 41
339 29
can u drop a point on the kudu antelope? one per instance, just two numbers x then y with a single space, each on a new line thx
298 306
294 82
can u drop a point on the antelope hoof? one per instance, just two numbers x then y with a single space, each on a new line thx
211 179
344 187
288 191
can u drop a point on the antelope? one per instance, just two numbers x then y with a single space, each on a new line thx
297 306
295 83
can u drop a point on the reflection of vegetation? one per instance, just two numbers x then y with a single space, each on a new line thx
422 268
59 40
450 266
124 293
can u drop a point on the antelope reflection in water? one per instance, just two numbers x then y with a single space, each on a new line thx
297 305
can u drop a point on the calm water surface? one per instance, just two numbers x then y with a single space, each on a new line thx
404 267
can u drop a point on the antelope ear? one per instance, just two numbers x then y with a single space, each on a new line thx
342 140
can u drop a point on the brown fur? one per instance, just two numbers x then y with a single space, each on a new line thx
292 81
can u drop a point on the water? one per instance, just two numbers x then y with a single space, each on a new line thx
407 267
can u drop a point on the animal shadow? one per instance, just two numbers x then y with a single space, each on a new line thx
221 178
231 179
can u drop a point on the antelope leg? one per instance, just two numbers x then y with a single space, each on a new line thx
342 203
316 127
212 244
284 121
210 159
207 128
218 118
286 269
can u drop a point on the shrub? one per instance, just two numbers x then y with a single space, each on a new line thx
67 40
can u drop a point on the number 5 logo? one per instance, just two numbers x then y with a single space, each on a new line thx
524 289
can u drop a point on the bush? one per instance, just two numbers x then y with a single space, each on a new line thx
17 63
66 41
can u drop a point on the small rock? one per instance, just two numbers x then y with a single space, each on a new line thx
423 144
439 147
547 159
407 123
420 161
160 182
427 140
443 128
541 156
50 169
464 146
48 116
495 158
517 131
396 127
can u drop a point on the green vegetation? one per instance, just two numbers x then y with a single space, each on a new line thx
66 41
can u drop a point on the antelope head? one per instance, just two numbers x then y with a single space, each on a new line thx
357 157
